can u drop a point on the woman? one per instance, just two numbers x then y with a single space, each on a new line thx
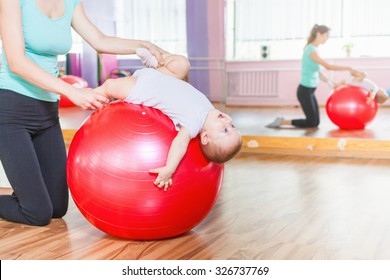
32 149
310 76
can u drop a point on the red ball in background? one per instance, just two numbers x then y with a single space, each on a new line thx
74 81
108 175
348 109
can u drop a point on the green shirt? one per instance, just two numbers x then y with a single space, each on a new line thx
44 40
310 69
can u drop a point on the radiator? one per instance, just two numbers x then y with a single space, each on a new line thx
252 84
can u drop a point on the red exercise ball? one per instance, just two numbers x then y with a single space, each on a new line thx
108 175
74 81
348 109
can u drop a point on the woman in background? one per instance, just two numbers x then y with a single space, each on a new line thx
310 76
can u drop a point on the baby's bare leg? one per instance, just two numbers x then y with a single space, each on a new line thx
117 88
359 77
175 65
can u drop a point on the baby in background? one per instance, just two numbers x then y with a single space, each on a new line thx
360 80
162 87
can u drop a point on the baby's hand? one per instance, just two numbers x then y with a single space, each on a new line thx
164 177
370 98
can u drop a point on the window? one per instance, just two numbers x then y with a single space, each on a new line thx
280 27
77 46
162 22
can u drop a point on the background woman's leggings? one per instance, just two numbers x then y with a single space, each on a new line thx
309 104
33 155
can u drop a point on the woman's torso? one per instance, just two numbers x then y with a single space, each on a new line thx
45 38
309 68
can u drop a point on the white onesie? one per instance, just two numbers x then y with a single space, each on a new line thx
181 102
367 84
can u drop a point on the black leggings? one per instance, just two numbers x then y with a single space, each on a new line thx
33 154
309 105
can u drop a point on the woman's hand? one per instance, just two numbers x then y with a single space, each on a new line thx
87 99
358 75
155 50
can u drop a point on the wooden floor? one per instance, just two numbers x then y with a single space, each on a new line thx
252 121
326 140
271 207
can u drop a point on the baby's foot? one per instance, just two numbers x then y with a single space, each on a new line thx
147 58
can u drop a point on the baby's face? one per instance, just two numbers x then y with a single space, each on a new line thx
220 128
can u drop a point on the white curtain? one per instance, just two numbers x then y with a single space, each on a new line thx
285 24
161 21
367 18
270 20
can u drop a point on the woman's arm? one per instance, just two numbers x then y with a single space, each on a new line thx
176 153
315 57
108 44
13 44
326 80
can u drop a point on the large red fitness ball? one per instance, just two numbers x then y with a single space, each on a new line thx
74 81
347 108
108 175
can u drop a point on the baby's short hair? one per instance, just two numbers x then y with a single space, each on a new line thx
382 96
220 154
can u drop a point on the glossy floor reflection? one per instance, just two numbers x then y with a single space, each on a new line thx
252 121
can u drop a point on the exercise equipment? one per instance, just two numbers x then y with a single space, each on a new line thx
108 175
347 108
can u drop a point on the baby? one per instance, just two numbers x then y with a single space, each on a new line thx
191 112
360 80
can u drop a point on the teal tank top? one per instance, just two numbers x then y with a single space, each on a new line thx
45 39
309 69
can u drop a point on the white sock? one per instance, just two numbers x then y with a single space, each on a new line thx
276 123
147 58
